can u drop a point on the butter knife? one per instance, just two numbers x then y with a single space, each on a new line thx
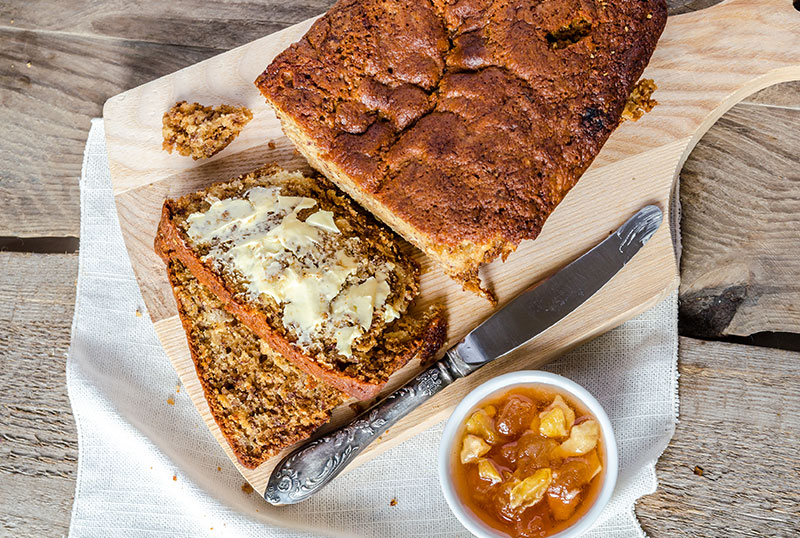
315 463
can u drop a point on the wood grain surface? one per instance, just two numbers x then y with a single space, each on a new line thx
38 442
732 467
223 24
49 90
38 457
740 270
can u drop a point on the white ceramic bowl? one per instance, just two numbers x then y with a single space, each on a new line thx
502 384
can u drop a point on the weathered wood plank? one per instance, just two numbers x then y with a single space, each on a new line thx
785 95
732 467
740 195
45 110
220 24
38 442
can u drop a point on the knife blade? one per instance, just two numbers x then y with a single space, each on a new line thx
308 468
544 305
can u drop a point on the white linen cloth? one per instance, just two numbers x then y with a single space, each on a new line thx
146 468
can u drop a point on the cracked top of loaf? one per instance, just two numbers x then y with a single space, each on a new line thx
461 123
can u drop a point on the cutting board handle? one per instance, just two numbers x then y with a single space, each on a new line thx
706 61
727 52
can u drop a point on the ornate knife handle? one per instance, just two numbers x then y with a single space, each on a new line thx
311 466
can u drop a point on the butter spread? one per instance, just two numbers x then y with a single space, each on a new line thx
298 263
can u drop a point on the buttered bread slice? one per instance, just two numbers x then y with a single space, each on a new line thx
307 270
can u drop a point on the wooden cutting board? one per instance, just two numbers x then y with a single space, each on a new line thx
705 62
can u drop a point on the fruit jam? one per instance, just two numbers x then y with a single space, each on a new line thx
529 462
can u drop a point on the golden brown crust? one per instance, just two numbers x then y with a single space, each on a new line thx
461 124
261 404
199 131
419 337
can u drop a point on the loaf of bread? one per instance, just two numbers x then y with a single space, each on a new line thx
261 402
308 271
461 124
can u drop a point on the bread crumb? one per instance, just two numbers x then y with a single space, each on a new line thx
138 313
698 470
170 401
174 478
247 488
28 65
219 468
271 144
393 502
649 15
640 101
199 131
12 21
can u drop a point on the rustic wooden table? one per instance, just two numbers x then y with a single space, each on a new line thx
733 467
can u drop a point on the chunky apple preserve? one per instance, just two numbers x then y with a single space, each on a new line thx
529 462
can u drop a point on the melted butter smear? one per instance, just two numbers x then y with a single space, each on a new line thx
262 237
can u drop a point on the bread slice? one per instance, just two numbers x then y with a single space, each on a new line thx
307 270
462 125
261 402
